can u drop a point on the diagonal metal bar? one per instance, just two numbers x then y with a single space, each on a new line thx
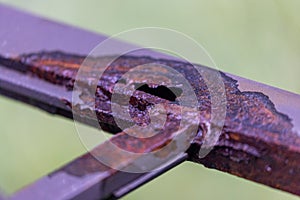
251 142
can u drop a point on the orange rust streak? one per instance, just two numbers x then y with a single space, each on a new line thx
60 63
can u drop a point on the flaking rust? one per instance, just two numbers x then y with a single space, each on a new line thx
257 141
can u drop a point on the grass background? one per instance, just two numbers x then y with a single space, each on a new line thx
257 39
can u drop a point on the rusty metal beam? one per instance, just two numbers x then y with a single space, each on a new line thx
260 139
258 142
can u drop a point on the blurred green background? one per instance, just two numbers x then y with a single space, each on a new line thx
257 39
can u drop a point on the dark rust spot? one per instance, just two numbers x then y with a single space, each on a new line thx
161 91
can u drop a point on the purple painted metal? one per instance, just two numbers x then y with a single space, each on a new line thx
61 185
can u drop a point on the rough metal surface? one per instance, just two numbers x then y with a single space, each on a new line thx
258 142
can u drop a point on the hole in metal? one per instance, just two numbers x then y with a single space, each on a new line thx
161 91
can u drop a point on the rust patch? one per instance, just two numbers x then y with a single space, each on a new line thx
257 141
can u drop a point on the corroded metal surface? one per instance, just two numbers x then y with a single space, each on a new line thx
258 142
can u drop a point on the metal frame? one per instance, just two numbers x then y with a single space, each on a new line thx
269 156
